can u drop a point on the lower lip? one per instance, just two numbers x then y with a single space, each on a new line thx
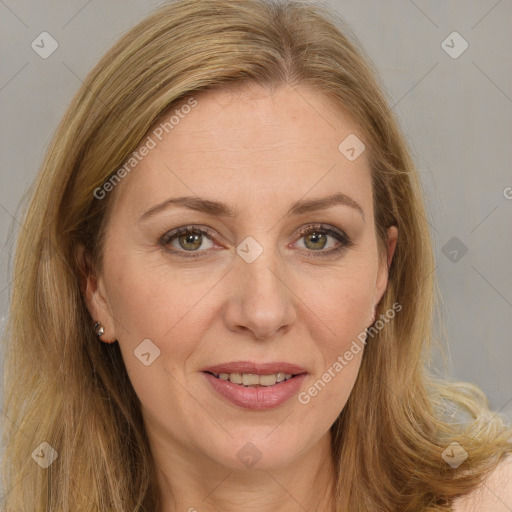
259 399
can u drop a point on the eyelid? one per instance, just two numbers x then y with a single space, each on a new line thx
343 239
182 230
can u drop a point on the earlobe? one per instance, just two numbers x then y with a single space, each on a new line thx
95 298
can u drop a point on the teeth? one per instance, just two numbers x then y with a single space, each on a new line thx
253 380
234 377
267 380
248 379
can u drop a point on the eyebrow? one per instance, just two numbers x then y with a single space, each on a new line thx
223 210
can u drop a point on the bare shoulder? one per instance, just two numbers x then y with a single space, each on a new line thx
495 493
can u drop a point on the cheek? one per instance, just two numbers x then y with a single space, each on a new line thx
167 306
157 314
342 299
343 304
172 307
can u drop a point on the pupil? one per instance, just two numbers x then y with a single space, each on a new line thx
190 238
314 237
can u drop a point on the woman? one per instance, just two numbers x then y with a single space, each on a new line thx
225 285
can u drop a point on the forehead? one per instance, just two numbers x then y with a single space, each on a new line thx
252 120
251 145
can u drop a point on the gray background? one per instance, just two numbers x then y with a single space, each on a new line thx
456 112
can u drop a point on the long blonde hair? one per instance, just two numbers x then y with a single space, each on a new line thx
65 388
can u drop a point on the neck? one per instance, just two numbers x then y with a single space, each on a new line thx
190 483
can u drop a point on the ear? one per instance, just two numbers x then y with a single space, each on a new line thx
382 275
95 295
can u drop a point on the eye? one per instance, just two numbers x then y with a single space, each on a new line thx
187 241
316 238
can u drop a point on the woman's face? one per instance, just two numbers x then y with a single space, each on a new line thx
261 292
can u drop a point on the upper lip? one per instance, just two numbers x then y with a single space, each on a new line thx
255 368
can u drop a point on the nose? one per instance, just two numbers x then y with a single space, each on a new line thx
261 299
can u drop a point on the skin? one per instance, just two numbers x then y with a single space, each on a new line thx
495 492
259 153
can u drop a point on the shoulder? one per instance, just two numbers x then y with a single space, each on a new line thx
495 492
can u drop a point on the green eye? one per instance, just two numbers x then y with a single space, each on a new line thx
189 239
186 241
316 239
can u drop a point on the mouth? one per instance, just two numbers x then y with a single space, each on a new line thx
258 387
254 380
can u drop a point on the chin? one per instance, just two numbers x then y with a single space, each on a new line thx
265 450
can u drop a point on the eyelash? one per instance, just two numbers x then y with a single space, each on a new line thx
312 228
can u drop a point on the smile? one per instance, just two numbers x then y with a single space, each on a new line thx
253 391
254 380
